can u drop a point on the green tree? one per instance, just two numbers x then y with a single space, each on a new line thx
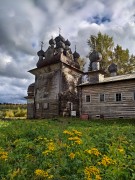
105 45
81 62
121 57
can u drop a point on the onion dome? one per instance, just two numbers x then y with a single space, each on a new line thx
67 43
30 90
52 42
76 55
60 44
112 68
95 56
40 53
59 38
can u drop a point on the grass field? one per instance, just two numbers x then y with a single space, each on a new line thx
67 149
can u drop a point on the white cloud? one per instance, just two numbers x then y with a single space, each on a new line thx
23 24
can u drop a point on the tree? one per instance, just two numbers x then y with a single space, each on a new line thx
81 62
105 45
121 57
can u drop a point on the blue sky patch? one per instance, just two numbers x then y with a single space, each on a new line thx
99 20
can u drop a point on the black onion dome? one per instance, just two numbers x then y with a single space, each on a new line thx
76 55
60 44
59 38
112 68
67 42
52 42
40 53
95 56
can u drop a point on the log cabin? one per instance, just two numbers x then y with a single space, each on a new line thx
107 97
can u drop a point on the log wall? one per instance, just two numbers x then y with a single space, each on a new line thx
110 108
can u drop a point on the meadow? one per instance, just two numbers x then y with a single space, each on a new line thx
13 110
67 149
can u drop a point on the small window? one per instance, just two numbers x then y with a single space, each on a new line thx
102 97
118 97
88 98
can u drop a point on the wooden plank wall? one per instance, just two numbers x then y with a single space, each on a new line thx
110 108
30 111
50 112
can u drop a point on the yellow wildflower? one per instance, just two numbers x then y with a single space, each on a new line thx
91 171
41 173
3 155
72 155
68 132
93 151
98 177
77 133
106 161
121 150
76 139
51 146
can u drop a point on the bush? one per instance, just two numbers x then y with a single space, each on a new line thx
20 112
9 114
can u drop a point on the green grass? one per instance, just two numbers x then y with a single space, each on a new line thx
42 149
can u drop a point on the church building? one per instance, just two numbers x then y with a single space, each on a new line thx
57 75
58 89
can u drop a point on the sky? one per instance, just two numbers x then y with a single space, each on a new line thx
25 23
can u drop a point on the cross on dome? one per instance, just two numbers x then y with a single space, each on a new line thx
42 44
59 30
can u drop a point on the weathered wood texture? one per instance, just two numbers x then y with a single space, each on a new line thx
46 91
110 108
30 111
51 111
55 91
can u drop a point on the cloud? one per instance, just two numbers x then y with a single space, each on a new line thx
23 24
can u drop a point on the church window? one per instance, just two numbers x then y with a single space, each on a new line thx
118 97
88 99
102 97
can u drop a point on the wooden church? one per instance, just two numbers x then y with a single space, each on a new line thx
57 75
59 91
